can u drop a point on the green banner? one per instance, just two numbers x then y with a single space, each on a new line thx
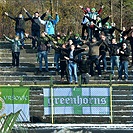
13 99
78 101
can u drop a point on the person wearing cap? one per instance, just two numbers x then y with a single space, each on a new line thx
100 22
77 41
19 25
42 50
93 15
16 44
50 24
108 31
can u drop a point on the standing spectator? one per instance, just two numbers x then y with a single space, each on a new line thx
77 40
85 23
93 56
114 57
19 25
16 43
42 49
124 53
108 31
99 22
104 47
35 26
83 66
123 33
92 14
72 66
63 62
130 38
50 24
58 41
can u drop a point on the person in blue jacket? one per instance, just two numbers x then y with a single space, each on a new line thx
50 24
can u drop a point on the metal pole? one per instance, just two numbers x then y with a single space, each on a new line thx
52 105
111 104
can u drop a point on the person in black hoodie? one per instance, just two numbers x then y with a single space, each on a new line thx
19 25
124 53
35 26
63 62
130 38
114 57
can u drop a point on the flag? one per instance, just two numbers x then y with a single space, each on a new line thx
13 99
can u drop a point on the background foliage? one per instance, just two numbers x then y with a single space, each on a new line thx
69 12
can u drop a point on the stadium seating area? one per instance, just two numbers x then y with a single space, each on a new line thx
27 73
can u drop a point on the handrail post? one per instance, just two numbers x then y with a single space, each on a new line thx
52 105
111 104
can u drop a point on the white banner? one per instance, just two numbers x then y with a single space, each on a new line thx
94 101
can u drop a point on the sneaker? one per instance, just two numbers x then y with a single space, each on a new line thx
99 75
126 79
76 82
119 79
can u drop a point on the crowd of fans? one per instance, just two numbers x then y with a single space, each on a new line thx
72 51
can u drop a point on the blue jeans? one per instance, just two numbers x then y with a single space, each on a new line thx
21 35
72 68
123 67
56 60
104 61
42 55
114 60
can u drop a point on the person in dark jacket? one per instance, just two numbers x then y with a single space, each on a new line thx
130 38
16 44
102 52
83 66
124 53
42 50
72 66
94 55
63 62
124 33
19 25
35 26
114 57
